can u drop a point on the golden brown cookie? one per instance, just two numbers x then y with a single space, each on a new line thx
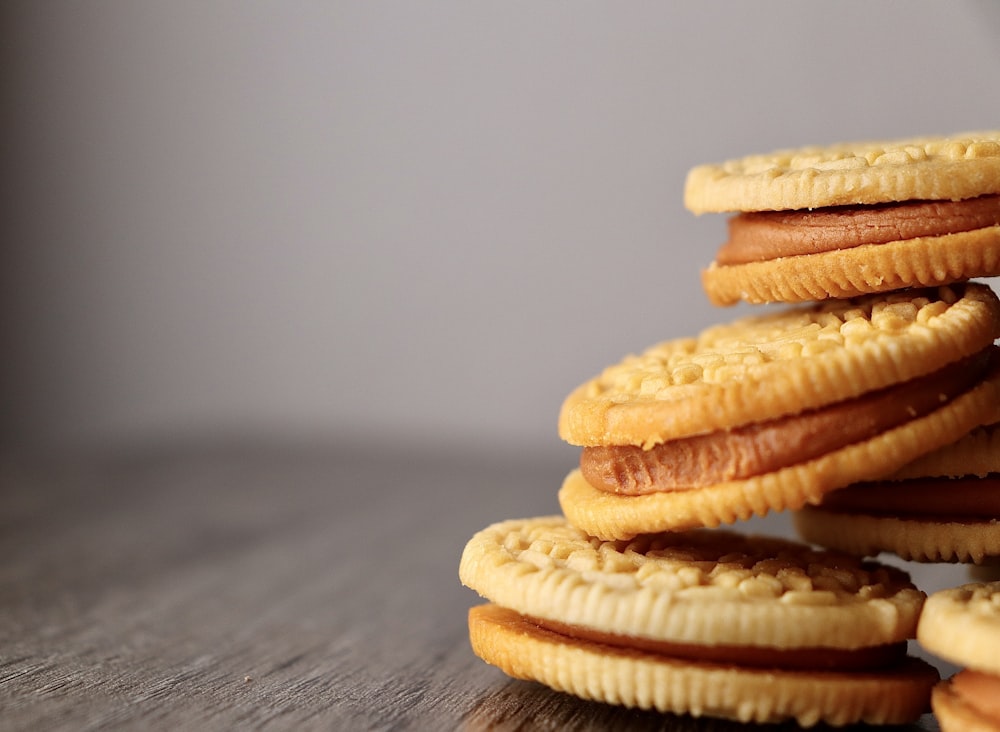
853 218
703 623
956 167
962 625
772 412
944 507
955 713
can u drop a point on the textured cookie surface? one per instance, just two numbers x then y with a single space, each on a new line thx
959 166
650 681
780 363
709 588
612 516
920 262
962 625
978 453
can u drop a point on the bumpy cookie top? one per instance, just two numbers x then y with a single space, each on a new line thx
960 166
781 363
703 587
962 625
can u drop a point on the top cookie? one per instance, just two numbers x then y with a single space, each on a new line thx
956 167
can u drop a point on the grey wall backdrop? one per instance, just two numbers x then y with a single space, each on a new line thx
404 221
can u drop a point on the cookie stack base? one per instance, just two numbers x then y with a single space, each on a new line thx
631 678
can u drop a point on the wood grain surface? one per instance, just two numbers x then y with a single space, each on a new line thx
262 586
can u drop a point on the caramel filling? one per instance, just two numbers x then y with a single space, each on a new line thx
968 498
980 691
764 447
816 659
764 235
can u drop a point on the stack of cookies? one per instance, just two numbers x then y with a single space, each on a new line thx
864 405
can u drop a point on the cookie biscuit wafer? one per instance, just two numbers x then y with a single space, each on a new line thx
944 507
648 681
768 366
853 218
772 412
978 453
921 168
962 625
954 714
706 622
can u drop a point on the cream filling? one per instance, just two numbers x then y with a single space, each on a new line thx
765 235
816 659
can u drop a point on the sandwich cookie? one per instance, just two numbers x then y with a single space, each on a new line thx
962 625
853 218
706 623
945 507
773 412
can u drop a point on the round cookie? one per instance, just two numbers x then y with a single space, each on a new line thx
959 166
768 366
772 412
704 623
943 507
962 625
853 218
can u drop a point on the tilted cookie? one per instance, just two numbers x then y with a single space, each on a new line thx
962 625
853 218
774 411
705 623
944 507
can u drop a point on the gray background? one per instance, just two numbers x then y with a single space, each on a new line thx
404 222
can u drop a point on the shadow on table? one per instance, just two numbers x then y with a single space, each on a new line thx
526 707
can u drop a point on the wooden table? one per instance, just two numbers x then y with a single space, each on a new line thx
266 587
